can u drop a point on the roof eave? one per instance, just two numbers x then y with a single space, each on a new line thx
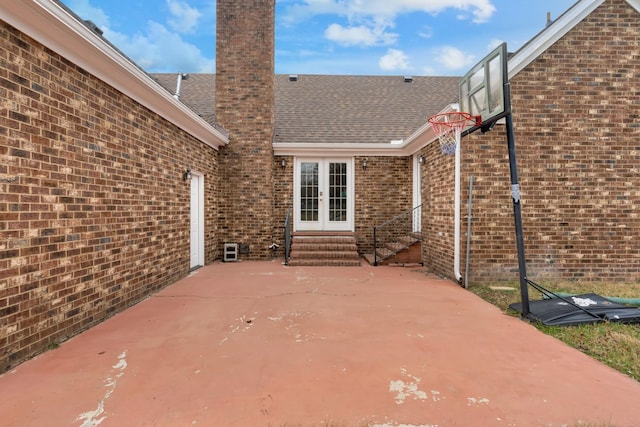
421 138
336 149
56 28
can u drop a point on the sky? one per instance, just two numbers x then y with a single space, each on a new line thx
345 37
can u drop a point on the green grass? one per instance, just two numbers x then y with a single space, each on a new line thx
615 344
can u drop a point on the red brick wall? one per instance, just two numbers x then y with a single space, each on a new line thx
437 177
577 126
283 199
245 107
94 214
383 191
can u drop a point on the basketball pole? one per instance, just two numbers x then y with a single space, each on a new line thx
515 195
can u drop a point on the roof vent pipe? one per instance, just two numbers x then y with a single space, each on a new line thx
181 77
93 27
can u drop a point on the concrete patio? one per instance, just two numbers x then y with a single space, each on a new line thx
261 344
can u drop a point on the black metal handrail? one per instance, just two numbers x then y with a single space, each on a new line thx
405 224
287 237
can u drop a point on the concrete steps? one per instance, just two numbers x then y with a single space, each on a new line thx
324 249
407 250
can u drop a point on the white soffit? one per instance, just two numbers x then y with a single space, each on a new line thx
53 26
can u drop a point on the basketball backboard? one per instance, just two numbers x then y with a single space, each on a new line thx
482 91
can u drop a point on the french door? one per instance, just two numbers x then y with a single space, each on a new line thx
324 194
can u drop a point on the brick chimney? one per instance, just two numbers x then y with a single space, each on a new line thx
245 106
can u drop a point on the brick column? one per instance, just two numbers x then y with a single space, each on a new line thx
245 107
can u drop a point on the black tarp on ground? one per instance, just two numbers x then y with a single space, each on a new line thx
579 309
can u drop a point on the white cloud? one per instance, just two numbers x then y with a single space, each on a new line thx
370 20
428 71
83 9
184 17
481 10
453 58
350 36
359 35
154 47
160 50
426 32
394 60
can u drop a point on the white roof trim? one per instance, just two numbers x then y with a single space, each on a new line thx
421 138
554 32
339 149
52 25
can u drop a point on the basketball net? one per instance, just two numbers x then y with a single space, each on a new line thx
449 126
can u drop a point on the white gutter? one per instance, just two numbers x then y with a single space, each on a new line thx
456 208
55 27
408 147
456 203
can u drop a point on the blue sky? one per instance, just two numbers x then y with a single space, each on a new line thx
355 37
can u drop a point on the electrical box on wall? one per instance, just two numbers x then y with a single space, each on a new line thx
230 252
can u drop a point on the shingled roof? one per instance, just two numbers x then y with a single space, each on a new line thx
336 109
198 92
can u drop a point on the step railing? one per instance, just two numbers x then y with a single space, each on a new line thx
406 224
287 237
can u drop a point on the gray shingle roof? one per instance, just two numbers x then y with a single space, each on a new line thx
340 109
198 91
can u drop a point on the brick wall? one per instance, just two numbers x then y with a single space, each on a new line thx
94 214
577 126
283 199
245 107
383 191
437 177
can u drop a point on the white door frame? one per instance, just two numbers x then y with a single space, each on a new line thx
323 223
196 228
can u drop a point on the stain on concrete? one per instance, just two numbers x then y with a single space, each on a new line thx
477 401
242 324
407 389
95 418
292 325
404 425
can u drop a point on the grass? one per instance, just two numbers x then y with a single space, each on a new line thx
615 344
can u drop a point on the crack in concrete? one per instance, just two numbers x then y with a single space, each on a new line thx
311 292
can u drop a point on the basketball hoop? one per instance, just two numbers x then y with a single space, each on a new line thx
448 127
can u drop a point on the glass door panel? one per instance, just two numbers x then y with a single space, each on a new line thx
324 195
337 192
309 192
